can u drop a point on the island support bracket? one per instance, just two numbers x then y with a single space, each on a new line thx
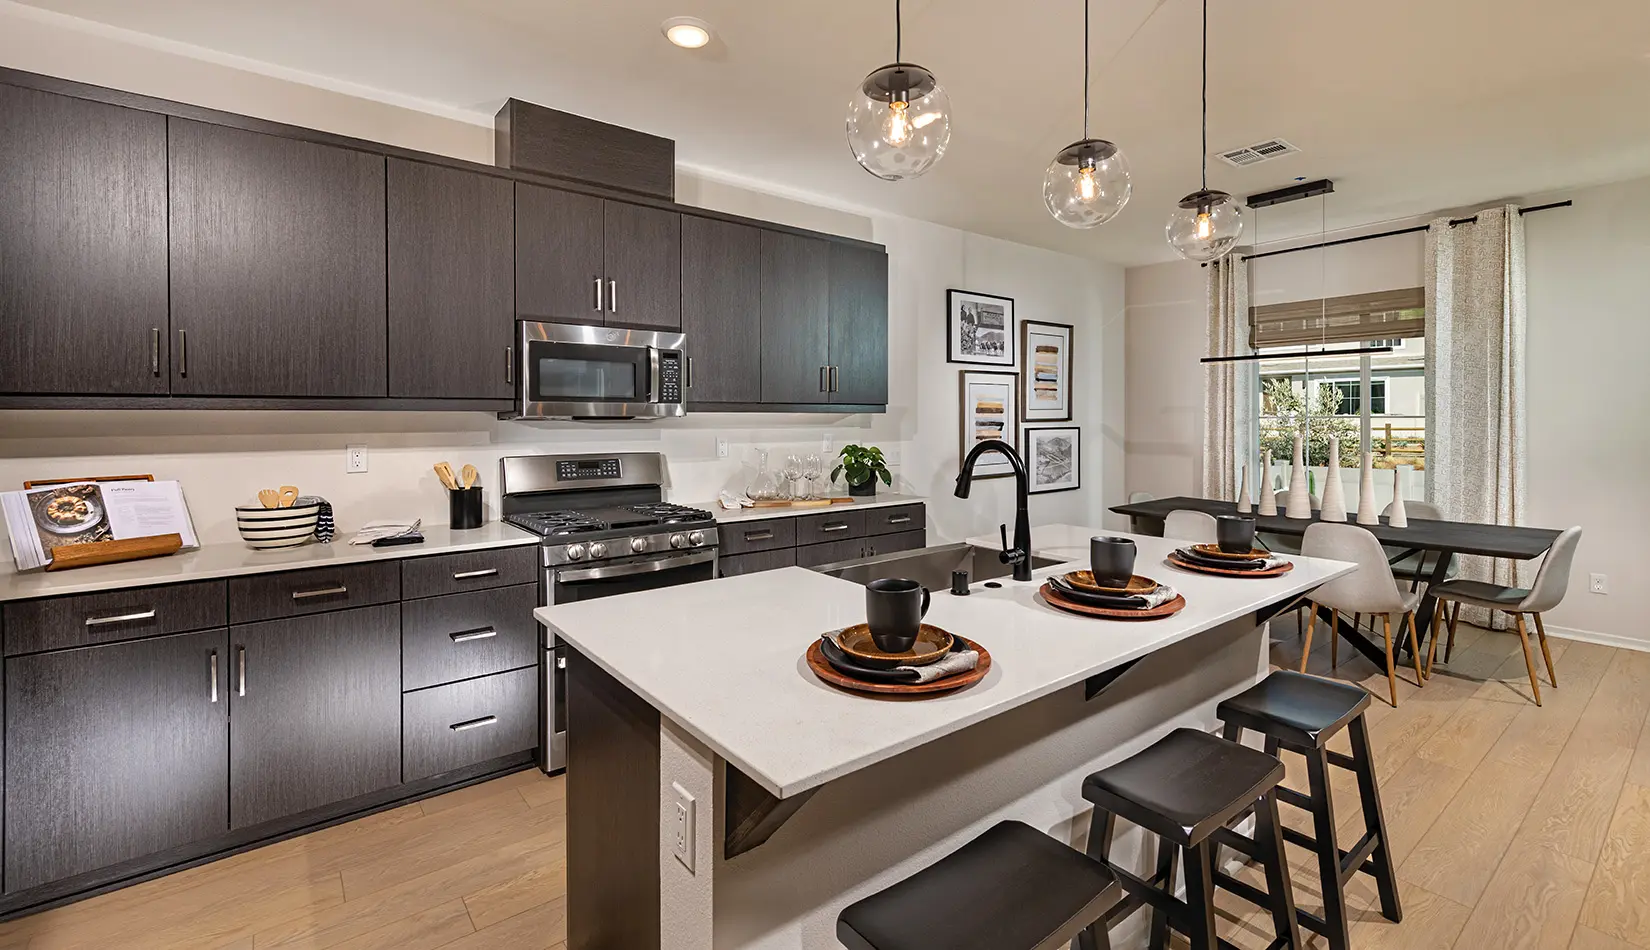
752 812
1100 682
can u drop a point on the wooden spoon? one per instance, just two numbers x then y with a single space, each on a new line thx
270 498
289 494
444 472
470 475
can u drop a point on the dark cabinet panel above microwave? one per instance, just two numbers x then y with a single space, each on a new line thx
642 258
559 256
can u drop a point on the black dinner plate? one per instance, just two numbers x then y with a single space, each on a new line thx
1092 599
1192 557
847 667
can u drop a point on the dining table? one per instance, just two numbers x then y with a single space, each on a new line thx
1442 540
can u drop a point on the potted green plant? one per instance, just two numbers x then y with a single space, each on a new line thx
863 465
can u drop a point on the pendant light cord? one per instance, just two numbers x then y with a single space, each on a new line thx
1085 69
1205 153
898 38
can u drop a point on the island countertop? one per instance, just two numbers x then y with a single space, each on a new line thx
724 659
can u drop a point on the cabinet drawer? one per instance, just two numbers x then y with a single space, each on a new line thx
813 555
744 537
896 519
314 590
460 636
830 526
469 570
449 727
752 563
894 543
110 616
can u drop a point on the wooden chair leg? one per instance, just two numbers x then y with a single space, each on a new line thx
1334 639
1541 634
1529 660
1391 676
1437 628
1306 649
1415 648
1454 616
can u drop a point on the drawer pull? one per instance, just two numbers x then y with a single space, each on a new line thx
319 592
841 526
901 519
469 635
759 536
240 662
214 676
484 572
473 723
120 618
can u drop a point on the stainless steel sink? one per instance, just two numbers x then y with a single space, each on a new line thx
930 567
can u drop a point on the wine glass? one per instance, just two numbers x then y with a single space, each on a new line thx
791 471
812 469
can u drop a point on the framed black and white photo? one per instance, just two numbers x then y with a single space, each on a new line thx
1054 458
1046 381
979 328
988 412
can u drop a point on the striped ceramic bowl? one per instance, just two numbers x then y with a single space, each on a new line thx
264 527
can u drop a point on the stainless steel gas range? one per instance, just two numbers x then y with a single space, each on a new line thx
607 530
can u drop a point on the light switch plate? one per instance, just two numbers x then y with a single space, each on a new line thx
681 825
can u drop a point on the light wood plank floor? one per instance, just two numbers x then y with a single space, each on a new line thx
1513 827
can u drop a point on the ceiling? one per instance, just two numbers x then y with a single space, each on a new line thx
1411 106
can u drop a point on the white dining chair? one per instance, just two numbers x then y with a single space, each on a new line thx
1184 524
1136 497
1371 589
1412 565
1552 579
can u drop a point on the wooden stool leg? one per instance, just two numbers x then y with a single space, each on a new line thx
1200 898
1391 677
1369 795
1337 929
1167 854
1095 937
1415 648
1529 661
1269 834
1101 825
1311 621
1541 634
1335 639
1454 615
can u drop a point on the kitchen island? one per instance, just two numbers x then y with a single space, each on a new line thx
804 797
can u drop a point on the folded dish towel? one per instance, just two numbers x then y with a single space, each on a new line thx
324 526
1157 598
950 665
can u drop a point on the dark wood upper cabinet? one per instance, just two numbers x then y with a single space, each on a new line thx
559 256
114 752
722 310
642 260
859 324
795 318
82 246
451 282
278 265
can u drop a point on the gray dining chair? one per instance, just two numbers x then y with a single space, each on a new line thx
1136 497
1281 543
1552 580
1411 564
1184 524
1371 589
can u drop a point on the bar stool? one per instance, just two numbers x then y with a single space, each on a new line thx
1185 788
1302 713
1012 888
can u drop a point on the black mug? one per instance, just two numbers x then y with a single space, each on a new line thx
464 508
1112 561
894 608
1235 533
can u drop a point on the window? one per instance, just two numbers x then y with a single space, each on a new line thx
1351 391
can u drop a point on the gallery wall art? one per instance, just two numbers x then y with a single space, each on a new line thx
1046 376
979 328
989 411
1054 458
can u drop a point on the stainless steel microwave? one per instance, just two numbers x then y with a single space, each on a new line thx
576 372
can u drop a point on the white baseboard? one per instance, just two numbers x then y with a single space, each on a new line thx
1602 639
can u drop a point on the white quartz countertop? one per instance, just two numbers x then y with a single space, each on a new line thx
880 500
235 558
724 658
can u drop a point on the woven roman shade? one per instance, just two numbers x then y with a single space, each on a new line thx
1387 315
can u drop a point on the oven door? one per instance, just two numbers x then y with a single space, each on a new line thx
599 372
569 584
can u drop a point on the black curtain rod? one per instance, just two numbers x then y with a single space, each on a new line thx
1384 234
1254 357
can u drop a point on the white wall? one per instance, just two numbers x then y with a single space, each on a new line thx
224 457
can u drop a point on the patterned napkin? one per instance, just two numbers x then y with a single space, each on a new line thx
324 527
951 664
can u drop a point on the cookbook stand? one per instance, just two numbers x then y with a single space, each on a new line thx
88 553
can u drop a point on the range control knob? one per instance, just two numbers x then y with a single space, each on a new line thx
638 545
598 549
696 538
575 552
678 541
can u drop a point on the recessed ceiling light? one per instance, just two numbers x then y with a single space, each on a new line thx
686 32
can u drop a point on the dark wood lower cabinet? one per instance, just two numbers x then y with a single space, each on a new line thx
459 724
114 752
316 711
752 563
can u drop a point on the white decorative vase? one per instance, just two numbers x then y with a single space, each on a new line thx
1268 501
1368 511
1396 516
1243 505
1300 497
1334 493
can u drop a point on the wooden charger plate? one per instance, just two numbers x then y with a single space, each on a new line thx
1084 580
1052 595
1278 571
825 671
1214 551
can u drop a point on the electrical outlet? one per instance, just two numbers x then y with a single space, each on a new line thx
682 826
825 443
721 448
355 458
1598 583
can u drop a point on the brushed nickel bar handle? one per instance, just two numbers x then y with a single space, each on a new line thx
473 723
320 592
759 536
473 635
900 519
183 352
598 294
509 365
214 676
689 373
121 618
484 572
240 663
834 378
154 351
843 526
612 296
824 379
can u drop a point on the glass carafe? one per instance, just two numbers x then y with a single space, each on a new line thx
763 487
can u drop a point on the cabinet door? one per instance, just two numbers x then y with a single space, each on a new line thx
795 318
859 324
114 752
451 282
642 261
316 711
559 256
82 246
722 310
277 265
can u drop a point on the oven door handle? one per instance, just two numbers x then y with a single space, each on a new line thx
653 374
640 567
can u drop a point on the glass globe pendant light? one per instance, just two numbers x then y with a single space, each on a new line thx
1088 181
1206 225
899 119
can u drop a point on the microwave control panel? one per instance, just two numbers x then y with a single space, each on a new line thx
670 376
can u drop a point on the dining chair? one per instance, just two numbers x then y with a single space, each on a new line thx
1136 497
1552 579
1184 524
1410 564
1283 544
1371 589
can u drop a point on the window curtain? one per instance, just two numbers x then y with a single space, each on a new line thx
1475 380
1228 388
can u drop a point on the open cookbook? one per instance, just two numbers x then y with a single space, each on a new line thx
40 520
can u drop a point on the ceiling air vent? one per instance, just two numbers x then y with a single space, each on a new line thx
1259 152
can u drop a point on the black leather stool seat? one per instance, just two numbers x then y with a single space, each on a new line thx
1185 785
1296 709
1012 888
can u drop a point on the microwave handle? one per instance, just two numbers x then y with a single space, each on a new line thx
653 385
